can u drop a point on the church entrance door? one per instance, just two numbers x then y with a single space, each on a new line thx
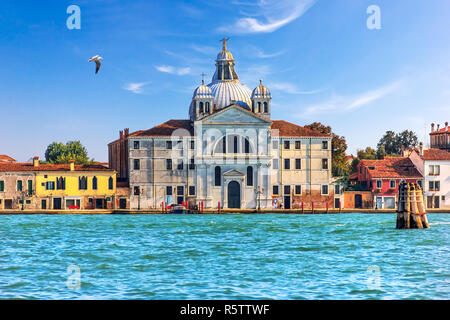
234 195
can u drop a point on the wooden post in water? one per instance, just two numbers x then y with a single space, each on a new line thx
411 212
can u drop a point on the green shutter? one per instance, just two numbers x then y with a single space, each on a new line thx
2 186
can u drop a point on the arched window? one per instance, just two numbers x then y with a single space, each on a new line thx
259 107
207 107
217 176
82 183
200 108
235 144
94 183
111 183
249 176
266 108
253 106
246 146
224 144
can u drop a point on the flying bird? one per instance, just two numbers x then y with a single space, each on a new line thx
96 59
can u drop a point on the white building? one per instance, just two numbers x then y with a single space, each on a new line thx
434 165
228 152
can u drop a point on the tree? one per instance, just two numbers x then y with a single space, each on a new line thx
339 165
60 153
393 142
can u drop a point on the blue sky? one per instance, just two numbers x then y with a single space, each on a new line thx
318 58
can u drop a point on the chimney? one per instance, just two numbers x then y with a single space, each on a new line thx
446 126
36 162
121 134
126 132
438 125
432 127
72 165
421 149
403 151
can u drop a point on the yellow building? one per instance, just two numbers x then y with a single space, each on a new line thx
62 186
71 186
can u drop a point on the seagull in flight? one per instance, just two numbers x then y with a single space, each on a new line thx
96 59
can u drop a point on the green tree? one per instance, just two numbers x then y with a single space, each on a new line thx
393 142
60 153
339 163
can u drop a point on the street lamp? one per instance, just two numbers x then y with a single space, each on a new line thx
258 190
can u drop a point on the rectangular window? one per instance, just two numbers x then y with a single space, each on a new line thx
2 186
192 164
275 144
392 184
180 165
169 145
136 164
434 170
379 184
192 190
50 185
435 185
337 189
287 190
136 145
111 183
325 164
324 145
287 145
298 189
324 190
287 164
169 164
298 145
180 190
275 190
192 144
30 187
137 191
275 164
298 164
19 185
169 190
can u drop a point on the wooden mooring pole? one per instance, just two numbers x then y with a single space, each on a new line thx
411 212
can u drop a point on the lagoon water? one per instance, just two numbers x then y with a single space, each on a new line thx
270 256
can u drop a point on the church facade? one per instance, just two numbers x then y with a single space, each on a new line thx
229 153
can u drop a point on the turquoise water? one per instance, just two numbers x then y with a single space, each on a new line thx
347 256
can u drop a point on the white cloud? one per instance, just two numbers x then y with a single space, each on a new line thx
135 87
289 88
173 70
208 50
268 15
343 103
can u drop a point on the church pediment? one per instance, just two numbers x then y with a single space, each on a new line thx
233 173
234 115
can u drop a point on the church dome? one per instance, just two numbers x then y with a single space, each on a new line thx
228 92
224 55
202 91
261 92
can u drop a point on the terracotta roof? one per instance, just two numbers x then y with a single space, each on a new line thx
166 129
4 157
435 154
20 167
287 129
442 130
391 167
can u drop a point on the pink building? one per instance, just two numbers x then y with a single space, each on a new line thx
382 178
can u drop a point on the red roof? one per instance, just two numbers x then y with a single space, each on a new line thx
435 154
287 129
442 130
166 129
391 167
19 167
5 158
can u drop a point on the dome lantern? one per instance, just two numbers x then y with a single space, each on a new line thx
261 100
